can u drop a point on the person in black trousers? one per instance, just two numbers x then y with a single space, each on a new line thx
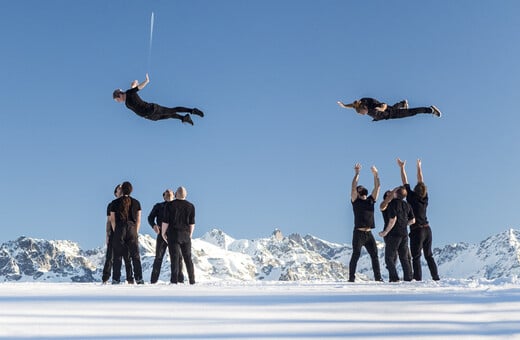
151 111
155 220
380 111
125 218
395 233
363 206
107 268
420 231
177 230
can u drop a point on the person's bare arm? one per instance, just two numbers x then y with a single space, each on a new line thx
164 229
192 228
353 191
381 107
138 222
420 178
113 220
377 184
140 86
402 164
345 106
389 227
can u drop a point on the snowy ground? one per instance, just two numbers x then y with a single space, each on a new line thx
451 309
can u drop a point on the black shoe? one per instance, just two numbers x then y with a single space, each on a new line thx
140 282
436 111
115 282
187 119
130 282
197 112
351 280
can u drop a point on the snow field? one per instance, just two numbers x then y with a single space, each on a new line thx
452 309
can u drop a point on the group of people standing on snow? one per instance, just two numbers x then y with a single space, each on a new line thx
173 220
401 207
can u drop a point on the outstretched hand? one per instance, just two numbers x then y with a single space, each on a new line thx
374 170
401 163
357 168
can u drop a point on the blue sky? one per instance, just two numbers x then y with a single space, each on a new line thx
274 150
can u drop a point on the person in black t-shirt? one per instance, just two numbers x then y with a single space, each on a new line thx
420 231
363 206
395 233
155 220
125 218
380 111
107 268
152 111
177 230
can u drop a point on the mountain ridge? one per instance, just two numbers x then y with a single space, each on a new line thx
218 257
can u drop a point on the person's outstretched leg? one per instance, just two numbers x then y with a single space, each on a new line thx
403 113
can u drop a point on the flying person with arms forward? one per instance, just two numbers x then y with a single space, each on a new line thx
152 111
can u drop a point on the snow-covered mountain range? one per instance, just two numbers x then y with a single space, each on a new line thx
218 257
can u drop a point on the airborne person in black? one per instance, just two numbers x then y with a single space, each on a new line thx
151 111
380 111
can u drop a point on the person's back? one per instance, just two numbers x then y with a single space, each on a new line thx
180 214
136 104
403 211
419 205
130 218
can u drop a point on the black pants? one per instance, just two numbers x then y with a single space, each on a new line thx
160 250
397 246
107 268
161 112
394 113
126 241
365 239
421 240
179 243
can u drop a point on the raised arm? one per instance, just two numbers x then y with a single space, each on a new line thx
420 178
353 192
387 200
377 184
402 164
346 106
140 86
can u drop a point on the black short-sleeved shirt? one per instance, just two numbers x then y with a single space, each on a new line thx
371 104
117 205
364 213
157 214
403 211
179 214
419 206
136 104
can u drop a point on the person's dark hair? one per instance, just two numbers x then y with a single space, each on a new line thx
126 190
115 189
361 190
420 189
401 193
117 93
388 192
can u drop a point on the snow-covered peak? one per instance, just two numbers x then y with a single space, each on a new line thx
218 238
